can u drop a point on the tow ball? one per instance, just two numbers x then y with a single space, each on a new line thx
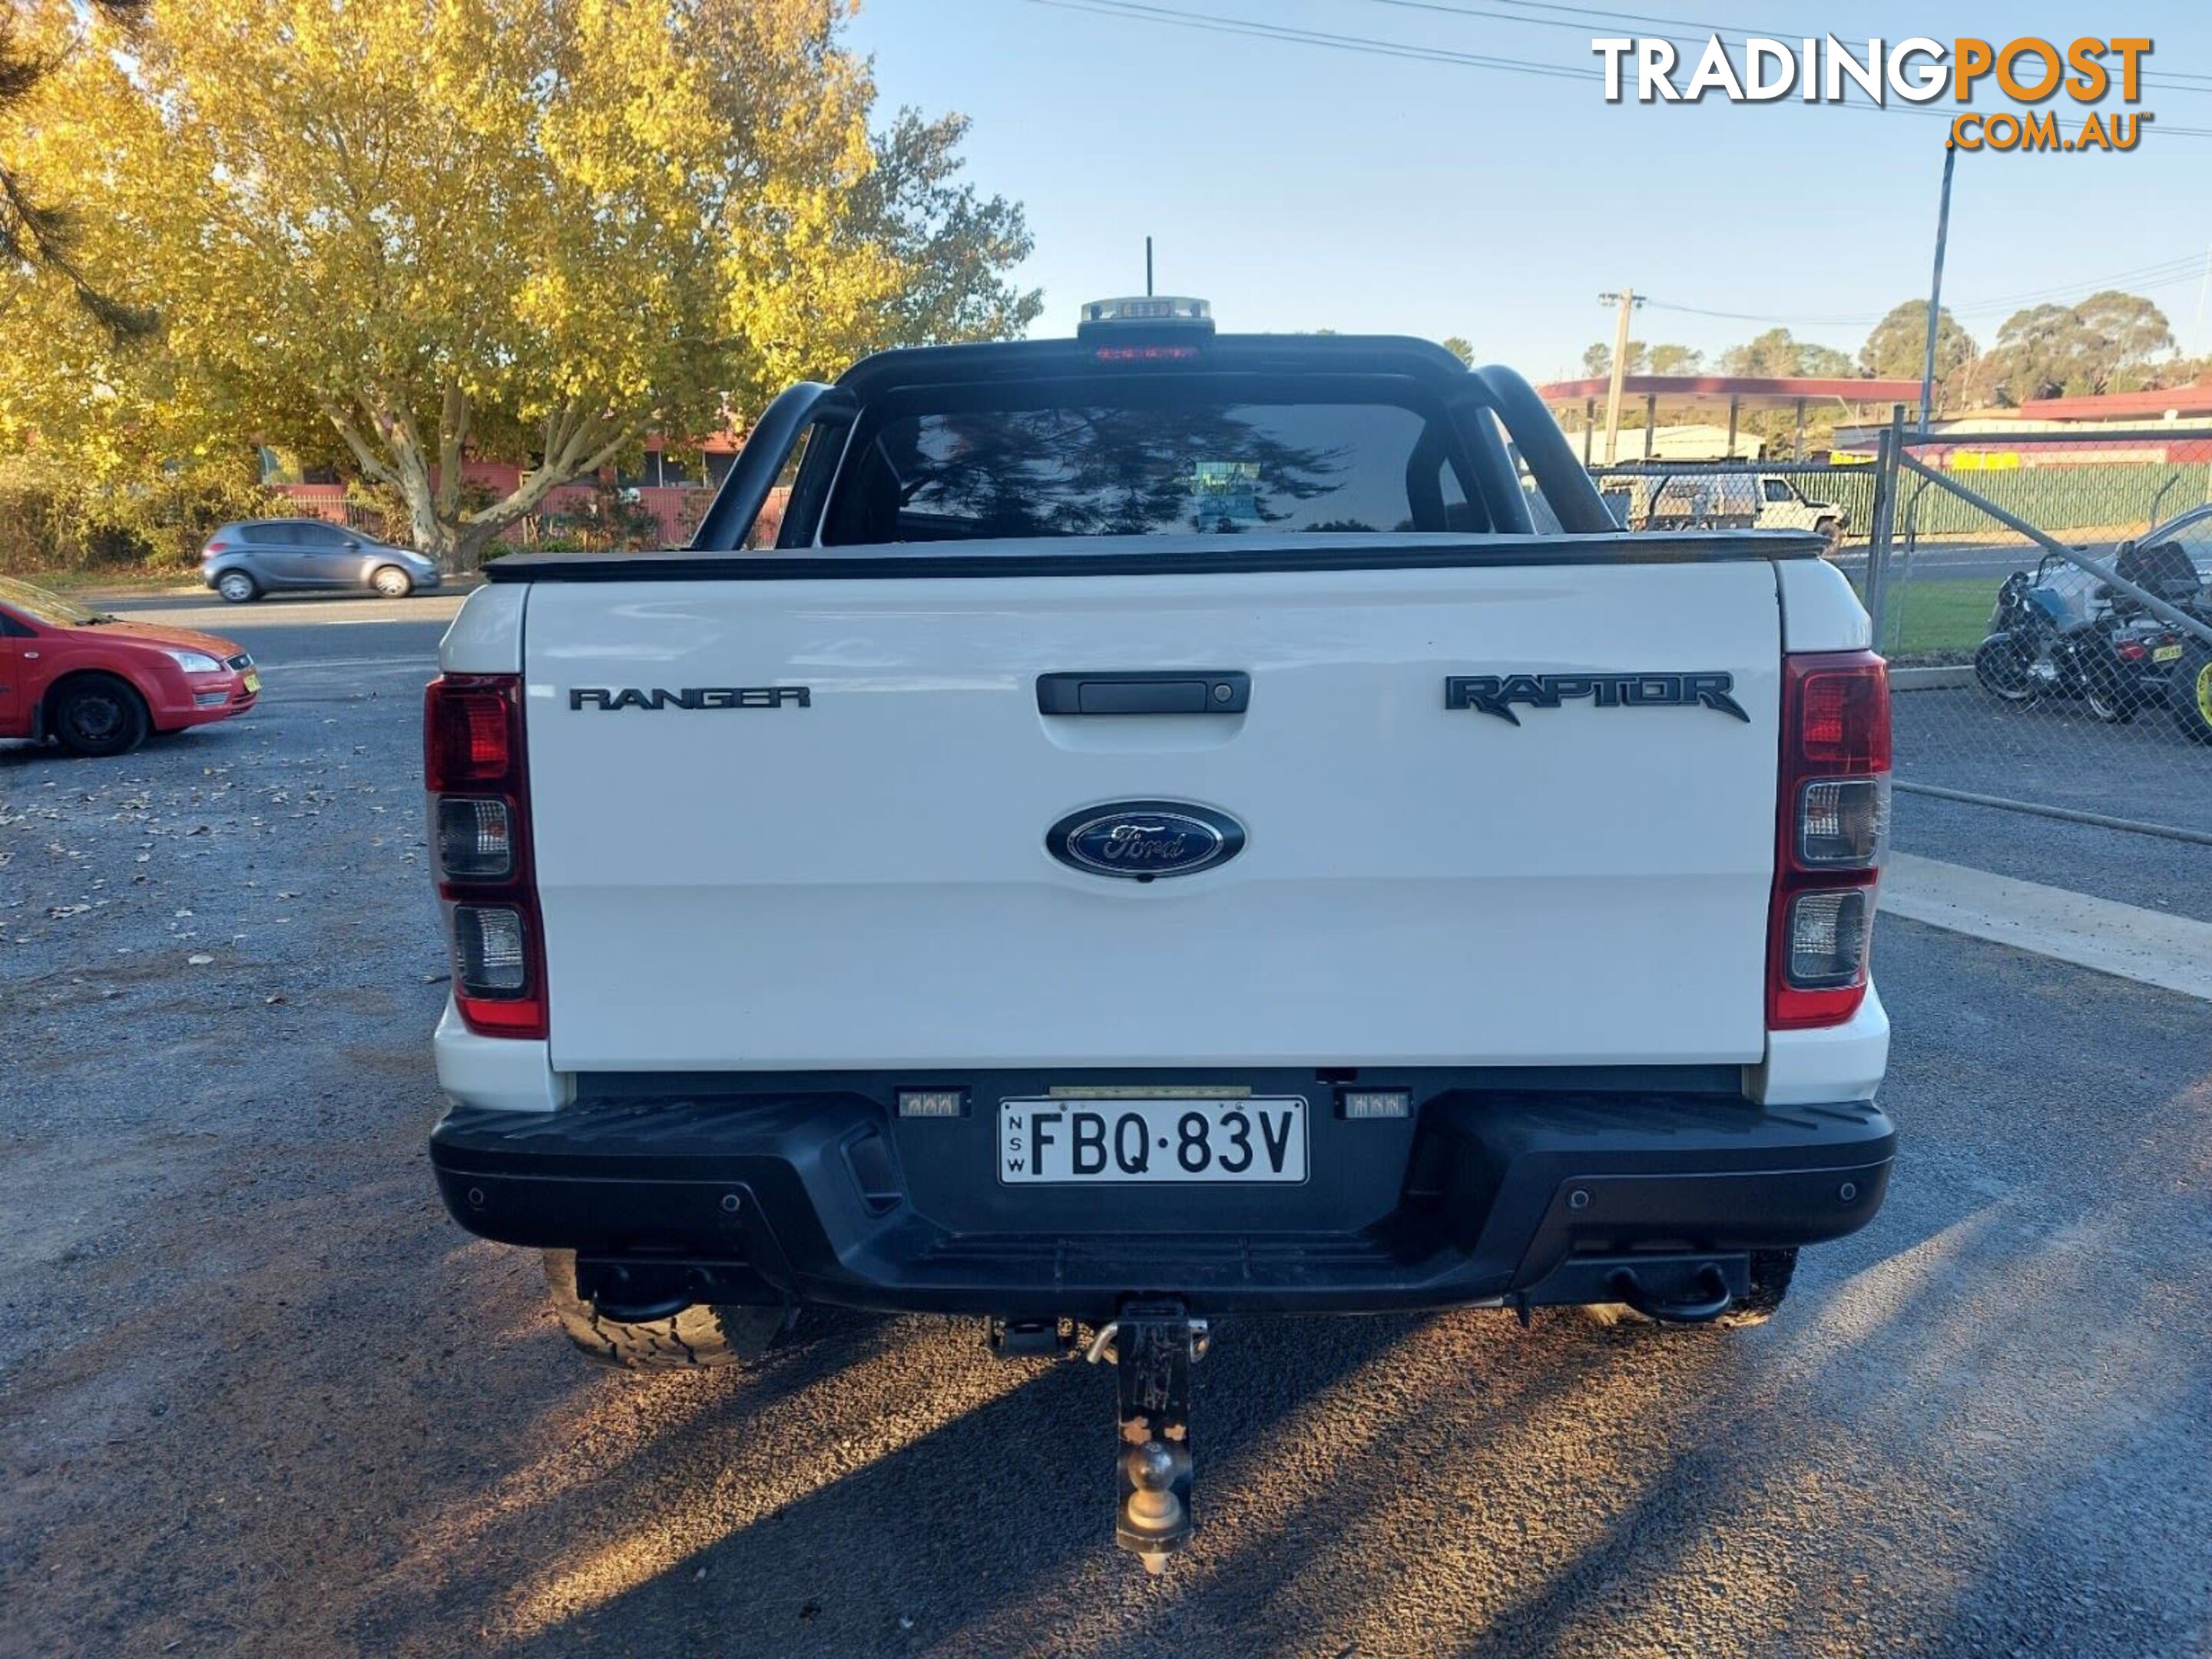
1152 1345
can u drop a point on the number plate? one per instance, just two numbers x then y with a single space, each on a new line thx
1048 1142
2165 653
253 680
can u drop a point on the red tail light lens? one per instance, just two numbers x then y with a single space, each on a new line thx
1843 704
471 731
1833 830
472 742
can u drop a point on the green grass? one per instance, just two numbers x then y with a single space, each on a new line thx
110 582
1939 620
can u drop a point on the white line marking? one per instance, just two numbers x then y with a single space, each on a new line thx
2149 947
429 663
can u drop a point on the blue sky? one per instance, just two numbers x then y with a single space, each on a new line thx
1301 187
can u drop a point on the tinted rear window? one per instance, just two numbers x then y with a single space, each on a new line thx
1152 461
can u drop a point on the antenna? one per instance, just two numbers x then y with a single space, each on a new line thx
1148 267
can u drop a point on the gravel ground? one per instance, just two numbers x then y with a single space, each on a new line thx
259 1396
2053 754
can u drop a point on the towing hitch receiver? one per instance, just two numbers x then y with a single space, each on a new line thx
1153 1345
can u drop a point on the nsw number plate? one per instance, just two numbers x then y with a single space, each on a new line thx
1045 1141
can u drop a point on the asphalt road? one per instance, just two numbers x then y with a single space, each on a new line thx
1948 561
259 1396
282 633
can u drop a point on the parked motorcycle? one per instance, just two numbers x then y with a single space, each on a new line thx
2174 560
2058 634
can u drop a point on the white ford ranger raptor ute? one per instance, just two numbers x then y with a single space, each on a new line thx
1178 825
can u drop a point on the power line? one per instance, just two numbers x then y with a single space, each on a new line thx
2142 276
2171 273
1212 24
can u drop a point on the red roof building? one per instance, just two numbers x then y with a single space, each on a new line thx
1708 394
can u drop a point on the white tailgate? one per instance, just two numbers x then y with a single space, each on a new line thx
863 883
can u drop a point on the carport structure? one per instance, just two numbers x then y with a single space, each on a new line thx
1707 395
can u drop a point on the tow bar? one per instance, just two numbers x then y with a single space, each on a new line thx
1153 1345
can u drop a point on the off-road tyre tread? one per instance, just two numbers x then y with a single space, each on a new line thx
701 1337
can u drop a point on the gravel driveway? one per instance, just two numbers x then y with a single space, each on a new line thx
257 1394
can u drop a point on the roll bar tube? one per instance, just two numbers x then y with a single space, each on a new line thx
1550 459
745 491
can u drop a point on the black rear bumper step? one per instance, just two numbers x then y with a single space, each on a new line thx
1485 1196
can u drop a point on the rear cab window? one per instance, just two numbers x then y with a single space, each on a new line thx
1188 454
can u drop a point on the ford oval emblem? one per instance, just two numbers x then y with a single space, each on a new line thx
1140 840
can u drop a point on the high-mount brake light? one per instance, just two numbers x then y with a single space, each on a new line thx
1832 831
1146 354
473 766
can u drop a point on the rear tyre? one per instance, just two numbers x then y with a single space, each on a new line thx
1832 532
391 581
2002 667
2108 700
1771 1273
2192 692
98 715
237 586
701 1337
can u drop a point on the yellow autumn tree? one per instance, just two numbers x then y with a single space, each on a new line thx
535 229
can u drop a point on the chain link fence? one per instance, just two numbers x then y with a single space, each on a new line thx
2047 599
2044 600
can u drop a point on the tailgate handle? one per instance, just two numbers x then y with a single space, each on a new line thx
1171 691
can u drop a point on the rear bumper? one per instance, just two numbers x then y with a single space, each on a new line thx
1488 1196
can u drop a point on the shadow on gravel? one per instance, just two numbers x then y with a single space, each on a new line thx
973 1517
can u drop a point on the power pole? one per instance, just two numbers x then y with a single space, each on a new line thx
1627 301
1935 289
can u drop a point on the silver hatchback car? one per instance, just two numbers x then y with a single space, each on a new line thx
242 561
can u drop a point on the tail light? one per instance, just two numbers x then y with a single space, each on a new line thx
1834 828
473 765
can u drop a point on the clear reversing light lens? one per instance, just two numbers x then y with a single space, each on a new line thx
1842 823
1830 931
476 839
490 954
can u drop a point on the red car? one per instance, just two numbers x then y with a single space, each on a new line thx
99 685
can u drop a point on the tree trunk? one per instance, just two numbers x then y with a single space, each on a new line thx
433 534
380 426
